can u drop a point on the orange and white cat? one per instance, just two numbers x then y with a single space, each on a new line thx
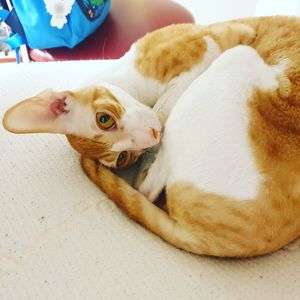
160 67
229 161
111 116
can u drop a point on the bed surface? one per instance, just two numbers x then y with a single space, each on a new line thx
61 238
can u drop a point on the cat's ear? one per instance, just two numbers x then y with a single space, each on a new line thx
45 112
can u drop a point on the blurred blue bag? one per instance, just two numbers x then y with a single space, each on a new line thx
54 23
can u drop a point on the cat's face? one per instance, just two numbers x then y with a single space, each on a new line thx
103 123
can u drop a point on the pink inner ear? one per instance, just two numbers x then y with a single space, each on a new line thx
58 107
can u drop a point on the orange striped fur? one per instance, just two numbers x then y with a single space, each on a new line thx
170 51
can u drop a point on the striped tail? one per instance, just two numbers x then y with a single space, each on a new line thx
139 208
204 223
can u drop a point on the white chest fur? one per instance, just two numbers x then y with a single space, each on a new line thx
206 136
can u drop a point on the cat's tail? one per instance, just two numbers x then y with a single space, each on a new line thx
139 208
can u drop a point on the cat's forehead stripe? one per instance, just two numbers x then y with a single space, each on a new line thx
100 98
109 105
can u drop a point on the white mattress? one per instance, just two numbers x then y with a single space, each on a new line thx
61 238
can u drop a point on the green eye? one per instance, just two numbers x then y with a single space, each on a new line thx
105 121
122 159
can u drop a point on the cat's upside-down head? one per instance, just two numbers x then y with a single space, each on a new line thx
100 122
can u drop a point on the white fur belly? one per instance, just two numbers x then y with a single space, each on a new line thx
221 160
212 150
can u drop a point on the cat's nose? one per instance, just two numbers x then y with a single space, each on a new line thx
155 133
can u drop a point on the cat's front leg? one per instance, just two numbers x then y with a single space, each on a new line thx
156 178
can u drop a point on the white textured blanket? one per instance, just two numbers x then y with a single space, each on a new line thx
61 238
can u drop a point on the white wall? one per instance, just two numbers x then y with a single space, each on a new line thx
275 7
210 11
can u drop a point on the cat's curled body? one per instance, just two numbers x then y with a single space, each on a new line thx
155 80
158 66
226 194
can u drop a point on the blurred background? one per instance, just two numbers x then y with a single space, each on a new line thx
131 19
211 11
